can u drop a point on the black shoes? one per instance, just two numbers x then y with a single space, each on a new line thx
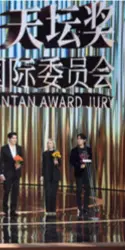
79 214
85 214
6 214
13 214
82 214
85 211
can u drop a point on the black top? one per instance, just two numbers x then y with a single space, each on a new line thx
7 162
83 154
77 155
49 170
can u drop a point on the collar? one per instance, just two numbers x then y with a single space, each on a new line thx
11 145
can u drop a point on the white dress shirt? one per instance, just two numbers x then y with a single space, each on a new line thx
12 149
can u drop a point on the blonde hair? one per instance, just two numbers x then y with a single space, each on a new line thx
52 140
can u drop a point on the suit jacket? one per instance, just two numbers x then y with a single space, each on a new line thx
49 170
75 159
7 162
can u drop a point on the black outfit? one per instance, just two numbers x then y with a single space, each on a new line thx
51 234
10 234
83 232
81 175
51 174
12 176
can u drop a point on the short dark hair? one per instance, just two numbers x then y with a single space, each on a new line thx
11 134
82 136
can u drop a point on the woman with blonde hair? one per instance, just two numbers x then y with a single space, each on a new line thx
51 175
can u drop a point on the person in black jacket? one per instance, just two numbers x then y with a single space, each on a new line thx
10 175
51 175
77 156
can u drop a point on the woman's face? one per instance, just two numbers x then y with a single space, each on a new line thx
50 145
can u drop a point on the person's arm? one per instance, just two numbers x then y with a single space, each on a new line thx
1 162
73 161
90 153
59 162
2 177
43 163
42 169
21 152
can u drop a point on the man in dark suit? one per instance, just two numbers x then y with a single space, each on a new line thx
77 157
9 174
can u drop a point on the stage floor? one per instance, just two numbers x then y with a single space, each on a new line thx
106 222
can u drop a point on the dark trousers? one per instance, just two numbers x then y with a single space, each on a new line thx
81 180
51 188
11 186
10 232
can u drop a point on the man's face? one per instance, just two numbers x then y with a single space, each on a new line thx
13 140
80 141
